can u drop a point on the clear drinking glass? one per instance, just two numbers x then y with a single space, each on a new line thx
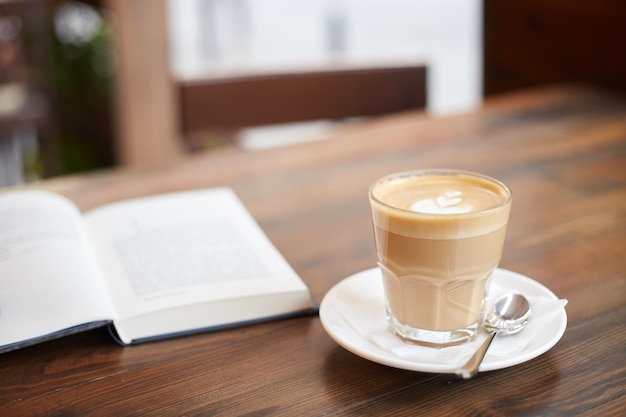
439 236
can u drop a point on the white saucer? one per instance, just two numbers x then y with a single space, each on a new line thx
365 289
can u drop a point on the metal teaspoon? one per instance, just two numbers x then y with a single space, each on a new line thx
508 315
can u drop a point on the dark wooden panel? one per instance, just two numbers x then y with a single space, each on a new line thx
251 100
534 42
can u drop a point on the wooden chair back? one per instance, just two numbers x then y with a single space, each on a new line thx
335 93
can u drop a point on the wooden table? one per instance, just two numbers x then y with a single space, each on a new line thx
561 150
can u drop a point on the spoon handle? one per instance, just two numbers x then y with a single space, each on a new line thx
471 366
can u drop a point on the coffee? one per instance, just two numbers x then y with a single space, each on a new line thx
439 236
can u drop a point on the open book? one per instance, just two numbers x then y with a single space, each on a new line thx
149 268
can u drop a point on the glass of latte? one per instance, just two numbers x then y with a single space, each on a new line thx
439 236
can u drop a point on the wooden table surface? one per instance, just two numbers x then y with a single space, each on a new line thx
562 151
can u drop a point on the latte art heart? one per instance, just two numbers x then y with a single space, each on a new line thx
450 202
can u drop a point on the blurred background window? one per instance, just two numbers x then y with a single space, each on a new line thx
221 36
63 50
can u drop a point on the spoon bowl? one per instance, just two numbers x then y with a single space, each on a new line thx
508 315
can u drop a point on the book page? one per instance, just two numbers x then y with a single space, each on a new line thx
177 249
48 276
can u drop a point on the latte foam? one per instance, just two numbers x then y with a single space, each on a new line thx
441 205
